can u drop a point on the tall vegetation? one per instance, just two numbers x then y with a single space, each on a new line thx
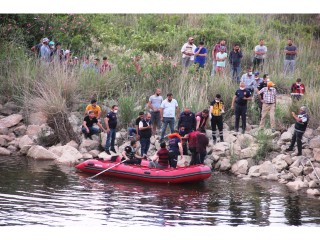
158 40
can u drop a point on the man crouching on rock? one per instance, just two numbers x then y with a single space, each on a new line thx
299 128
87 126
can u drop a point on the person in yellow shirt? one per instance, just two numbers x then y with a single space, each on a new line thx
95 108
216 110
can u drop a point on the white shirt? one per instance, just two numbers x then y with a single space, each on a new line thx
169 108
189 49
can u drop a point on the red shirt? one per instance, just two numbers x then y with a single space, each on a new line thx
163 154
193 139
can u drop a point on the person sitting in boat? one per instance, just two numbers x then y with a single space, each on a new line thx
162 158
297 89
87 126
129 154
175 148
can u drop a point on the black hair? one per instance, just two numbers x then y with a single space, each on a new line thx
265 76
218 96
163 145
201 43
205 111
298 79
141 113
93 101
104 58
169 94
114 106
133 142
97 59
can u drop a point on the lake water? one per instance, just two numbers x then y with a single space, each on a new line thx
39 193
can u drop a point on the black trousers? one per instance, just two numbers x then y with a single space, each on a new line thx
173 159
217 121
258 62
297 136
194 159
240 111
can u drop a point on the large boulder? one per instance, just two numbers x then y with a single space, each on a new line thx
9 108
25 140
4 152
11 120
3 141
4 130
279 162
37 118
314 192
69 156
296 171
245 140
20 131
225 164
254 171
73 143
240 167
249 152
34 130
316 154
267 168
297 184
40 153
88 145
286 136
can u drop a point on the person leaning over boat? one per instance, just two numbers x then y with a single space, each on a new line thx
175 148
161 159
201 147
87 126
129 154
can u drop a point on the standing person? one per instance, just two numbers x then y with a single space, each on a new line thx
221 60
235 57
200 55
95 108
145 129
58 53
86 63
248 79
260 53
96 65
258 103
168 110
261 85
154 105
201 147
215 50
162 158
202 120
175 148
239 104
299 128
297 89
45 51
87 126
290 57
130 154
111 124
216 110
268 105
187 51
105 66
36 48
188 120
192 144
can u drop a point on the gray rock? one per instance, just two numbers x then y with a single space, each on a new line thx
4 152
40 153
254 171
267 168
314 192
315 142
286 136
11 120
20 131
240 167
4 130
296 171
37 118
273 177
225 164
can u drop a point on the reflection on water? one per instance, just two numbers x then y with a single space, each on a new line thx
41 193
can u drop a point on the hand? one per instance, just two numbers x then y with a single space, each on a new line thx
232 107
88 131
108 130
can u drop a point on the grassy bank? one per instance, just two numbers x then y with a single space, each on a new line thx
158 39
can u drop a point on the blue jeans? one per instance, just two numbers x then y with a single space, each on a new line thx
235 73
165 122
145 144
110 138
132 131
92 130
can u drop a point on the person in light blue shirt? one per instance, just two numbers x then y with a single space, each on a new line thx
168 110
45 51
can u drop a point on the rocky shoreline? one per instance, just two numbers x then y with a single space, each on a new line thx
22 136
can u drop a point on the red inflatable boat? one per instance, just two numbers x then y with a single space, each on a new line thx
143 172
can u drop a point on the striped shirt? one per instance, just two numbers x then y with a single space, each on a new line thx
269 94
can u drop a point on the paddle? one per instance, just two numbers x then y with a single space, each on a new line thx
107 169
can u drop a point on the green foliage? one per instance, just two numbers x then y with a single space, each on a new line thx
264 145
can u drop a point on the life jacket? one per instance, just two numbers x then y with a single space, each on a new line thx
217 108
173 135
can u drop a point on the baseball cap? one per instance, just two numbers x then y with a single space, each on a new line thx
270 84
66 51
45 40
256 73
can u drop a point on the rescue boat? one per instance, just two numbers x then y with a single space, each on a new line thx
143 172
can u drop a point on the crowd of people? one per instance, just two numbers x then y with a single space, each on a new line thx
189 136
192 54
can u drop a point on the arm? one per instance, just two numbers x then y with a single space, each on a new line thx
178 111
141 127
85 125
125 155
233 101
296 117
198 122
150 105
101 127
161 113
180 149
106 121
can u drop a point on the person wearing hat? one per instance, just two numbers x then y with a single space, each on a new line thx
45 51
187 51
268 105
299 128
